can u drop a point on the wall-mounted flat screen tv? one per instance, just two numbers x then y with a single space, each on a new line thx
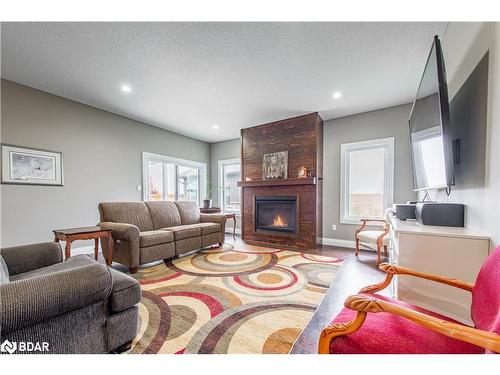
430 133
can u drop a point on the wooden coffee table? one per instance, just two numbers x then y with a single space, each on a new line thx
86 233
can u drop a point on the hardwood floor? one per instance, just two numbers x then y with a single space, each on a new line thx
356 272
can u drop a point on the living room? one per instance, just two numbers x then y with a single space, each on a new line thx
250 188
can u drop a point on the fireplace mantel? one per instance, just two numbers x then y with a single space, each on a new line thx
277 182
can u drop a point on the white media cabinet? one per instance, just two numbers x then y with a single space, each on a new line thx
447 251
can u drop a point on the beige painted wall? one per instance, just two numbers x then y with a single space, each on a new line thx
102 161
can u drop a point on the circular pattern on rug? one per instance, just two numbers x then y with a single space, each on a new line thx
223 263
320 275
272 282
226 332
224 301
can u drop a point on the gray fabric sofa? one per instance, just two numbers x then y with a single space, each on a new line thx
147 231
76 306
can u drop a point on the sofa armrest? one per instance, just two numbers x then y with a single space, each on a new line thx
215 218
121 231
29 301
25 258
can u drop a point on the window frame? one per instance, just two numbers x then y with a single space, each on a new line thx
345 148
202 173
220 169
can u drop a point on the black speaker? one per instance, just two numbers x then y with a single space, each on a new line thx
441 214
406 211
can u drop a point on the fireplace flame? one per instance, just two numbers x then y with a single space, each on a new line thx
278 222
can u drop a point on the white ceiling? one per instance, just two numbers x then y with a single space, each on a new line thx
186 77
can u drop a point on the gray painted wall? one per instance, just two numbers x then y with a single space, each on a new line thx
220 151
388 122
474 91
102 161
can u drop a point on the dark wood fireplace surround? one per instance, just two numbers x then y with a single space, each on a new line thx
302 137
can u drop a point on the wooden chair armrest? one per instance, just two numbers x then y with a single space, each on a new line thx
364 222
484 339
392 269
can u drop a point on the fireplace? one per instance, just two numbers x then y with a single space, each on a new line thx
276 214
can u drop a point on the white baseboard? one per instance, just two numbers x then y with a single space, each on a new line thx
338 242
343 243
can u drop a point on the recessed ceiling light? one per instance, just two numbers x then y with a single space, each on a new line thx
336 95
126 88
215 126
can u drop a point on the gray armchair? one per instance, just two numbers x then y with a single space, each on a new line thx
76 306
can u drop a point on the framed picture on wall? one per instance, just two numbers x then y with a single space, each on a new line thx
30 166
275 165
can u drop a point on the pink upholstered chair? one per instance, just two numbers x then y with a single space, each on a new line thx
371 323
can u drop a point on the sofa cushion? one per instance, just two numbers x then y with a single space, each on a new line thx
126 291
208 228
157 252
189 211
135 213
72 262
155 237
4 272
164 214
385 333
185 231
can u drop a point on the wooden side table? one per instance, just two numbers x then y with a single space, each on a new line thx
86 233
217 210
232 216
211 210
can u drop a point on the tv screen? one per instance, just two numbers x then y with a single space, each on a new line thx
430 138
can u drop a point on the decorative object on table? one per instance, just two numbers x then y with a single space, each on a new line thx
207 202
275 165
303 172
29 166
86 233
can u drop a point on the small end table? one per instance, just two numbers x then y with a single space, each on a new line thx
228 215
86 233
211 210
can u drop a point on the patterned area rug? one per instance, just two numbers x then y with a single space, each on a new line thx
226 300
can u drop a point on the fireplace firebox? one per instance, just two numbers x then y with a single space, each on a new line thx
277 214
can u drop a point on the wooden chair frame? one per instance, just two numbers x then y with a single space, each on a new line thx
364 304
380 239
